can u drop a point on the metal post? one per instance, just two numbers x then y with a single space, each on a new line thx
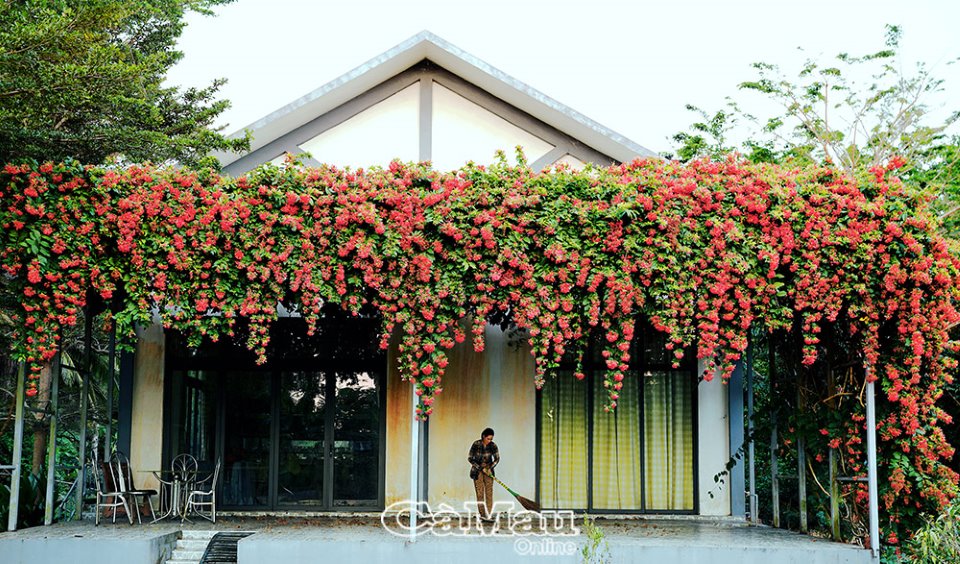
750 447
802 482
774 477
872 470
86 374
414 467
834 465
111 373
834 497
52 442
17 462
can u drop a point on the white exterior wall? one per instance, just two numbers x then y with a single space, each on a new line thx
384 132
464 131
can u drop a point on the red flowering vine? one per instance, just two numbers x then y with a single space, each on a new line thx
705 250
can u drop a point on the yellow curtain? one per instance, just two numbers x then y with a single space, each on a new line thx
668 440
563 443
616 447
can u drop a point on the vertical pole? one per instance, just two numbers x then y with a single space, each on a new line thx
86 374
17 462
414 466
111 373
801 461
738 489
834 465
753 469
834 497
774 477
52 443
872 470
802 482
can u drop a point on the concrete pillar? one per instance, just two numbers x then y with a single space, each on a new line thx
146 425
713 445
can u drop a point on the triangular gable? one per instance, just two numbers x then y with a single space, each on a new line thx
427 100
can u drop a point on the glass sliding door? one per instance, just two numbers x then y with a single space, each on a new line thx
304 431
302 442
356 441
247 438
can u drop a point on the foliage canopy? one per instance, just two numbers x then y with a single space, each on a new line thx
84 80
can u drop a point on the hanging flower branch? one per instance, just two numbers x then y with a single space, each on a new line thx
705 250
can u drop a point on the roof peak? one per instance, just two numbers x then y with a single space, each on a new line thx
430 46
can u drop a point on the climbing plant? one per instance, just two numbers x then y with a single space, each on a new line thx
705 250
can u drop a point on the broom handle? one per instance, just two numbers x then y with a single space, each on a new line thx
497 480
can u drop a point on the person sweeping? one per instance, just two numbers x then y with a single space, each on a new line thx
484 456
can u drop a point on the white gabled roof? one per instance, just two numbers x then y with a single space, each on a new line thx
426 45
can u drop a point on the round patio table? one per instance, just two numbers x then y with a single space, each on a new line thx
177 484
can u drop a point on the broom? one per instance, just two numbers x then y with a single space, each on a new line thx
527 504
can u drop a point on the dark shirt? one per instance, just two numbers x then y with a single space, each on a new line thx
483 456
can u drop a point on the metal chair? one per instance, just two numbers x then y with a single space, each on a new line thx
108 496
204 497
183 471
123 477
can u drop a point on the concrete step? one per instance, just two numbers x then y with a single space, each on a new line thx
187 554
206 534
178 561
192 544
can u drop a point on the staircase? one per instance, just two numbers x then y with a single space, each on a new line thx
190 547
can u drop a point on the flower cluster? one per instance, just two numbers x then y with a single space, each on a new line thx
704 250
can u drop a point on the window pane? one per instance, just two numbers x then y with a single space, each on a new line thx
356 445
302 424
563 442
616 446
199 413
668 439
246 433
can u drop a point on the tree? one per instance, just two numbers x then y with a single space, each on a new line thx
83 80
855 112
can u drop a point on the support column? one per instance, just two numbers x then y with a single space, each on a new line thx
111 373
872 470
17 461
125 400
735 409
52 441
752 452
86 374
414 467
774 469
801 464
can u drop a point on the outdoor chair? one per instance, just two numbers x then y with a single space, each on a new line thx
123 477
108 496
205 496
183 470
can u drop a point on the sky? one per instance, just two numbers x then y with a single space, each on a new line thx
632 66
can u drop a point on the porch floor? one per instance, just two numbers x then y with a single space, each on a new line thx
293 539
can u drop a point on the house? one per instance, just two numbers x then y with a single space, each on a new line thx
326 424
